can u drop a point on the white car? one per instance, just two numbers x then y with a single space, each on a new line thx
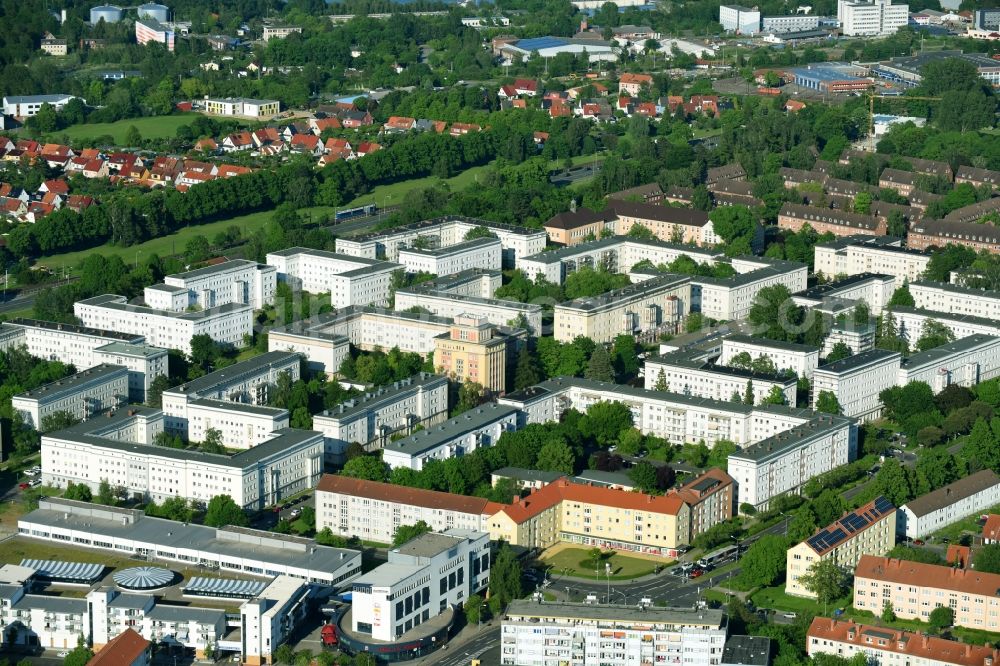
63 654
296 513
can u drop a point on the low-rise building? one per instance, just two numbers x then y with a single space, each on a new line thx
82 396
977 177
868 530
947 505
579 225
747 651
25 106
376 416
554 633
800 359
915 589
531 479
128 648
482 253
477 428
237 281
857 380
262 109
965 362
422 578
348 279
270 618
885 255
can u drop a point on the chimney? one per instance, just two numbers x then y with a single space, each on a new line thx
583 25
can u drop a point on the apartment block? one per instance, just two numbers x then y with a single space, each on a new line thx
927 234
729 298
373 511
237 281
872 289
885 255
829 220
910 323
739 19
486 253
149 30
915 589
945 506
241 426
784 462
555 633
857 380
83 395
693 373
868 530
880 17
262 109
955 299
475 351
349 280
800 359
685 225
966 362
475 429
373 418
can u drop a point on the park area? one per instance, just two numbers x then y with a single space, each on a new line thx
579 562
155 127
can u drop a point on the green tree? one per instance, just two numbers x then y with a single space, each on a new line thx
748 394
935 468
57 421
625 357
133 138
839 351
213 441
222 511
526 373
981 447
775 397
643 475
505 576
863 203
988 558
735 225
599 367
470 396
942 617
902 297
79 656
473 609
893 481
764 561
405 533
888 614
556 456
479 232
78 491
661 382
694 322
934 334
370 468
284 654
827 580
106 494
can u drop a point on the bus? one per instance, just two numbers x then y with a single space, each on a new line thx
722 556
357 211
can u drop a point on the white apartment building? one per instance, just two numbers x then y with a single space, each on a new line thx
144 364
25 106
676 417
800 359
691 373
724 299
955 299
883 646
554 633
784 462
247 382
475 429
226 324
241 426
82 395
350 280
777 25
659 303
966 362
517 242
869 288
884 255
739 19
262 109
373 511
469 293
237 281
323 352
421 400
857 380
942 507
270 618
880 17
421 579
484 253
228 549
910 323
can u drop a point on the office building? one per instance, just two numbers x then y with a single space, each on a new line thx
783 462
986 19
945 506
474 351
261 109
915 589
149 30
271 617
348 279
555 633
82 396
421 579
966 362
229 549
909 69
740 20
800 359
878 18
373 511
857 381
237 281
483 253
226 324
376 416
868 530
692 373
885 255
475 429
25 106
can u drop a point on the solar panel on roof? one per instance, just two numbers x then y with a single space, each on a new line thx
224 587
65 571
539 43
882 505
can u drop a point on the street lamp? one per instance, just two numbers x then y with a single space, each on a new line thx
607 571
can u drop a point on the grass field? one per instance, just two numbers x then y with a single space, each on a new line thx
572 561
159 127
393 194
775 598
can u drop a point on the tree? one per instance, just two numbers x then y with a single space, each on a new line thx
694 322
505 576
470 396
625 357
902 296
213 441
934 334
827 580
764 561
479 232
556 456
106 494
981 445
661 382
893 481
57 421
772 311
133 138
284 654
369 468
154 397
526 373
775 397
79 656
78 491
748 394
204 351
643 475
839 351
222 511
473 609
942 617
599 367
988 558
405 533
888 614
605 422
735 226
863 203
935 468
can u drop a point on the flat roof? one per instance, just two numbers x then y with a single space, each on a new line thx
621 296
522 474
707 617
823 290
388 574
856 361
747 651
939 354
259 410
72 384
436 222
457 248
558 255
388 394
231 265
428 545
435 436
766 342
137 350
947 316
73 328
778 444
690 358
116 302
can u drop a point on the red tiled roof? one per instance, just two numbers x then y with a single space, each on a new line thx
123 650
935 576
230 170
400 122
526 84
387 492
57 186
308 141
368 147
642 79
991 529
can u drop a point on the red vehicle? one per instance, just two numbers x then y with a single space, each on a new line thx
918 542
696 573
23 486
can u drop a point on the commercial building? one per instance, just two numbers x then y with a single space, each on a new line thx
118 448
942 507
868 530
739 19
794 216
832 77
484 253
908 70
373 418
248 382
986 19
443 232
965 362
261 109
800 359
240 426
373 511
857 380
475 429
777 25
872 289
692 373
234 549
421 579
883 646
270 618
237 281
885 255
554 633
657 304
226 324
915 589
910 323
149 30
348 279
549 47
25 106
474 351
784 462
82 395
879 17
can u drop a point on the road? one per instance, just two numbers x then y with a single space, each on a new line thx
564 177
462 655
361 223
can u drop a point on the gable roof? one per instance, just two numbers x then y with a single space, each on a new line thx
936 576
387 492
953 492
123 650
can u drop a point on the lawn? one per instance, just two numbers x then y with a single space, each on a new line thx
969 524
776 599
158 127
574 562
394 193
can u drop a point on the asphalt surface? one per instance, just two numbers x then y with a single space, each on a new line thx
473 648
356 224
567 177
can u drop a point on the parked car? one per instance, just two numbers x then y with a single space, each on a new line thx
696 573
63 654
918 542
790 615
296 513
23 486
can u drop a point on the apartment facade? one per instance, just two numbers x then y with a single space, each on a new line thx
854 254
965 361
485 253
857 380
955 299
694 374
237 281
910 323
828 220
262 109
739 19
241 426
928 234
82 395
472 351
731 298
800 359
349 280
868 530
149 30
947 505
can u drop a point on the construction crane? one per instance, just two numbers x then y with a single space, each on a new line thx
871 108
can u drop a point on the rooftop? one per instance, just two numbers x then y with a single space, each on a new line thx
915 63
616 613
115 302
952 493
947 316
621 297
614 242
428 545
436 222
72 384
938 355
819 292
850 525
384 395
388 492
934 576
692 359
123 650
438 435
136 351
224 267
74 329
259 410
742 338
236 372
457 248
747 651
522 474
858 361
388 574
779 444
325 254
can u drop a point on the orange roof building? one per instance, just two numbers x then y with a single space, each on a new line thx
126 649
991 528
